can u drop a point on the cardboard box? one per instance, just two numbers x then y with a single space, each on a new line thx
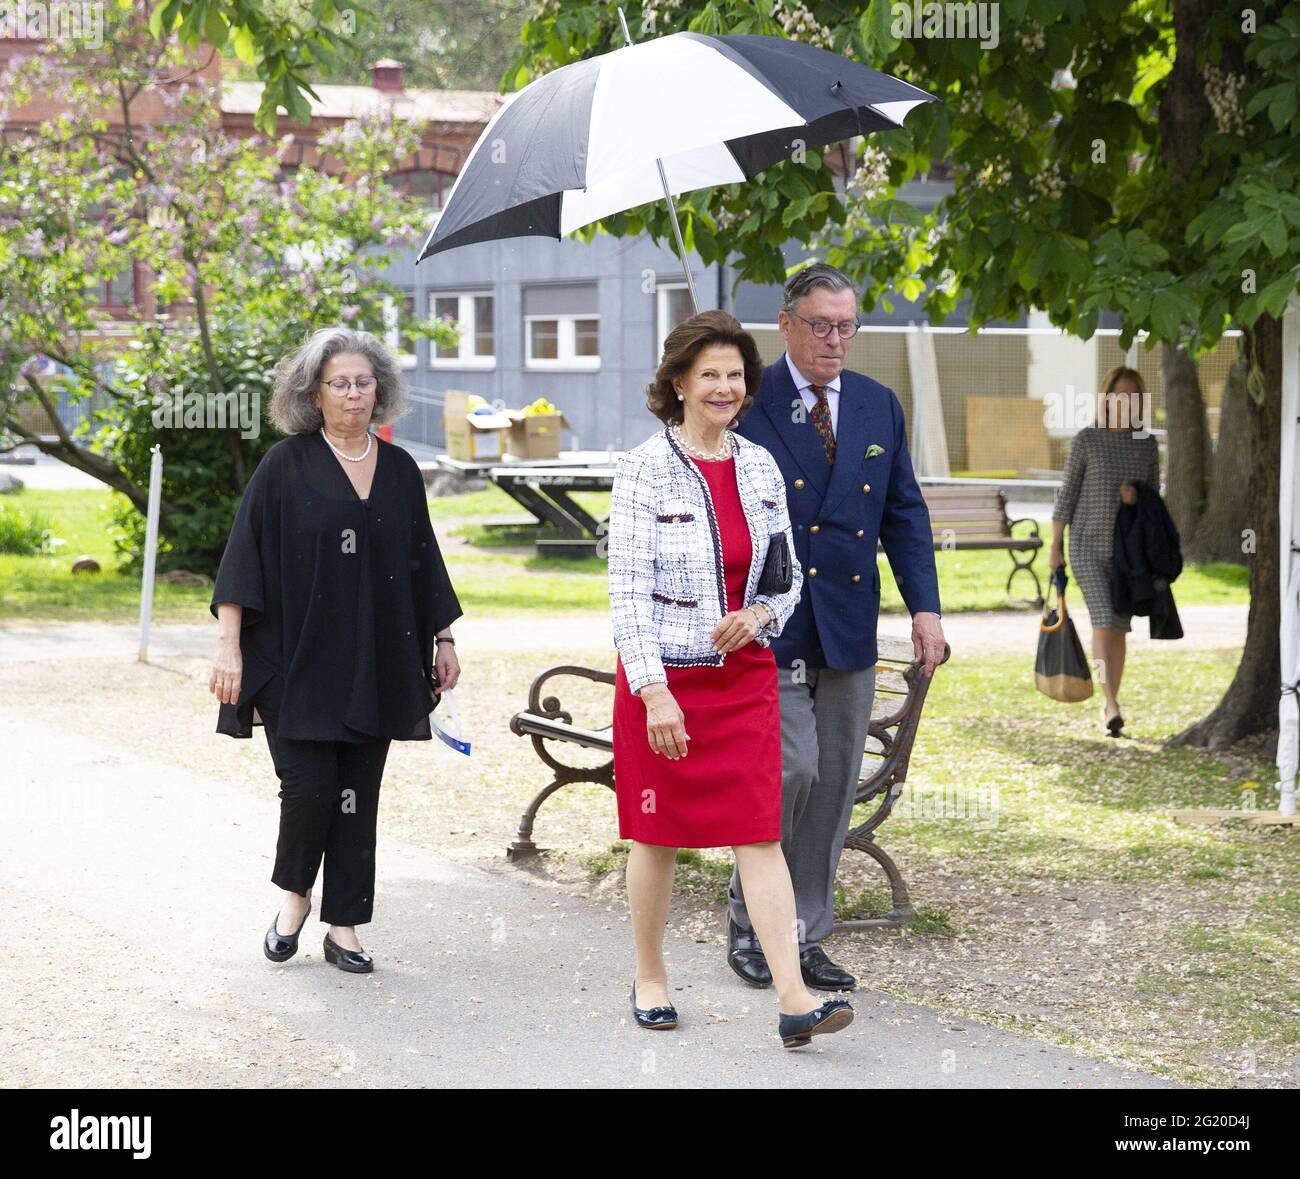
535 436
471 437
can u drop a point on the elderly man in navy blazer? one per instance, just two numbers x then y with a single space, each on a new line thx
841 443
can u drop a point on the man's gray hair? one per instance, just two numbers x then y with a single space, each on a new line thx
298 378
819 274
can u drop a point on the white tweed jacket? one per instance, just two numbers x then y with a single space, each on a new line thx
667 587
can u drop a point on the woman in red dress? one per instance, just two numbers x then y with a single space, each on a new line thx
697 728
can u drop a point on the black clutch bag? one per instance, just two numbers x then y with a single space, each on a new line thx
777 576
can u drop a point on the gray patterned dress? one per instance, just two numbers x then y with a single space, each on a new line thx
1100 460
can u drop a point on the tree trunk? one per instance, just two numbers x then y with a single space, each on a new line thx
88 461
1188 439
1218 536
1250 704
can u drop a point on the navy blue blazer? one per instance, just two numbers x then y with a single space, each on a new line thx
838 512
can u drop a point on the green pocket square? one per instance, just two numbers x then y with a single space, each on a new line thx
874 450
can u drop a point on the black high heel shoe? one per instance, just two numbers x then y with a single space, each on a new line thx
353 961
831 1016
1114 724
655 1018
280 947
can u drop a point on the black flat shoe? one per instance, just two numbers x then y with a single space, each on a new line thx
657 1019
745 956
832 1016
280 947
1114 725
353 961
820 973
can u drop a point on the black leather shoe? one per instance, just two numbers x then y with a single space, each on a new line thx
821 973
353 961
831 1016
655 1018
280 947
745 956
1114 724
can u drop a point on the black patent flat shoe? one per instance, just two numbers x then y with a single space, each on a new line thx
353 961
832 1016
280 947
657 1019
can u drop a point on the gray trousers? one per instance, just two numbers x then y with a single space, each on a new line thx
823 734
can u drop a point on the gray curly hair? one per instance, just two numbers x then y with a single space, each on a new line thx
298 377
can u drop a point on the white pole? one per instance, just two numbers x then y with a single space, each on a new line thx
1288 737
150 550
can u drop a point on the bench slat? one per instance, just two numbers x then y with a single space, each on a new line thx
545 726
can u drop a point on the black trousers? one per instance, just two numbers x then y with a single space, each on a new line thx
329 807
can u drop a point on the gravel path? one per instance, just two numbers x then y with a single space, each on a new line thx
993 632
136 896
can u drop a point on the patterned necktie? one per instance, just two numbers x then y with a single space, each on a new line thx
821 420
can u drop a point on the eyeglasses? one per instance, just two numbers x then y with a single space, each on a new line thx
341 385
821 328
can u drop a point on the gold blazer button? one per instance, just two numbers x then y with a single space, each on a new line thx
798 485
860 533
812 572
866 487
815 528
857 577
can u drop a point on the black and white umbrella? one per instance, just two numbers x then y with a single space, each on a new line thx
666 116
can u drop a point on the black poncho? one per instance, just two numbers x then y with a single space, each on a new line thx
342 597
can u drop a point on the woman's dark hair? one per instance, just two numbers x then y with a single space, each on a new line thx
684 344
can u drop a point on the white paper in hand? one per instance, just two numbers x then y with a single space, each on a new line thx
448 727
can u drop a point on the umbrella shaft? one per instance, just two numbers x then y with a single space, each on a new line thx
672 209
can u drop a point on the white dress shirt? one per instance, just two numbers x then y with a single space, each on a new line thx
802 383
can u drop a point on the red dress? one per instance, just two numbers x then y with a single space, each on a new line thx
727 789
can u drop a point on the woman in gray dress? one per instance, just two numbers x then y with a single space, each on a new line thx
1104 463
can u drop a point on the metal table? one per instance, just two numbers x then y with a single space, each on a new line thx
542 486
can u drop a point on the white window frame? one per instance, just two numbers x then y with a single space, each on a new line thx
661 311
566 342
465 317
392 329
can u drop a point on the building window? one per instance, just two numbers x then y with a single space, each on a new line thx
402 345
561 326
563 341
119 293
475 313
426 185
673 304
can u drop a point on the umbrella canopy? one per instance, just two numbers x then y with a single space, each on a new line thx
588 139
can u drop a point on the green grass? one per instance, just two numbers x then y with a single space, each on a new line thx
977 580
489 579
1040 791
492 501
44 587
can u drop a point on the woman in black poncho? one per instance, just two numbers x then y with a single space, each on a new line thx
334 611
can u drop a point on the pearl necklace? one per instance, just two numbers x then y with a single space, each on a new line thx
352 458
725 451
